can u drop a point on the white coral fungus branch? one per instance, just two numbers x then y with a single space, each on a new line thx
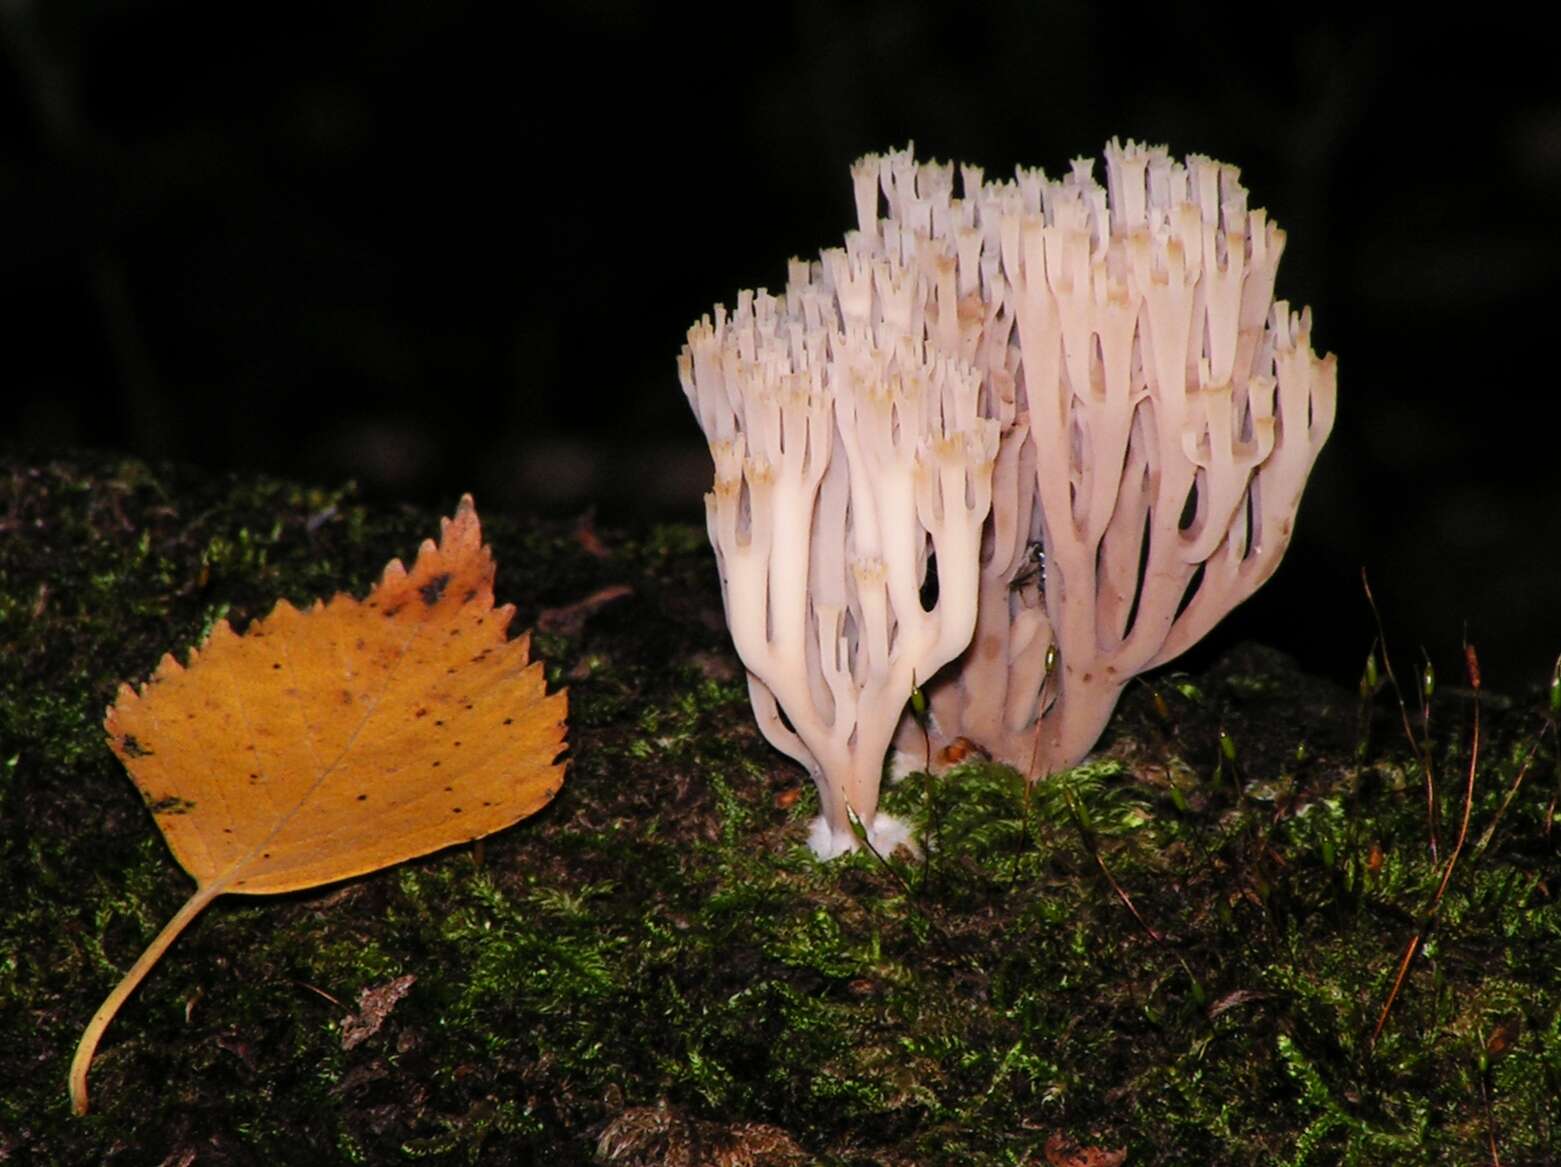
1081 403
848 450
1161 413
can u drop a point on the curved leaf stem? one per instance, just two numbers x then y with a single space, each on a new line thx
89 1040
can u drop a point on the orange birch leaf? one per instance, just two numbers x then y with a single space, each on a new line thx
325 743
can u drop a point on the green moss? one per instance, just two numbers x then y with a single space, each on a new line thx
656 954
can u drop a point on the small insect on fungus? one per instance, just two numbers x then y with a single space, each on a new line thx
1033 570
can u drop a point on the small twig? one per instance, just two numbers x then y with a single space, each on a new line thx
569 619
318 992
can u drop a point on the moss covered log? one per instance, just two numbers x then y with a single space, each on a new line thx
1180 949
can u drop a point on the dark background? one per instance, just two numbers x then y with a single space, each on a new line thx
436 246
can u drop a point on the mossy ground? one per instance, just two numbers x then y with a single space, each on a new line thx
654 969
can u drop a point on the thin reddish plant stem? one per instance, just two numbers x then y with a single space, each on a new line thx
1472 666
1093 847
1422 750
1490 1119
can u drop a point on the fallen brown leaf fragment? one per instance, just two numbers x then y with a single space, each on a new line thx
326 743
1063 1151
1235 998
374 1005
585 535
666 1136
787 798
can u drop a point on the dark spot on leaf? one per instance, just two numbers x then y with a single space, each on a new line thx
509 721
346 696
171 804
133 748
363 798
436 765
470 595
390 612
456 809
456 743
434 588
438 721
420 713
276 666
